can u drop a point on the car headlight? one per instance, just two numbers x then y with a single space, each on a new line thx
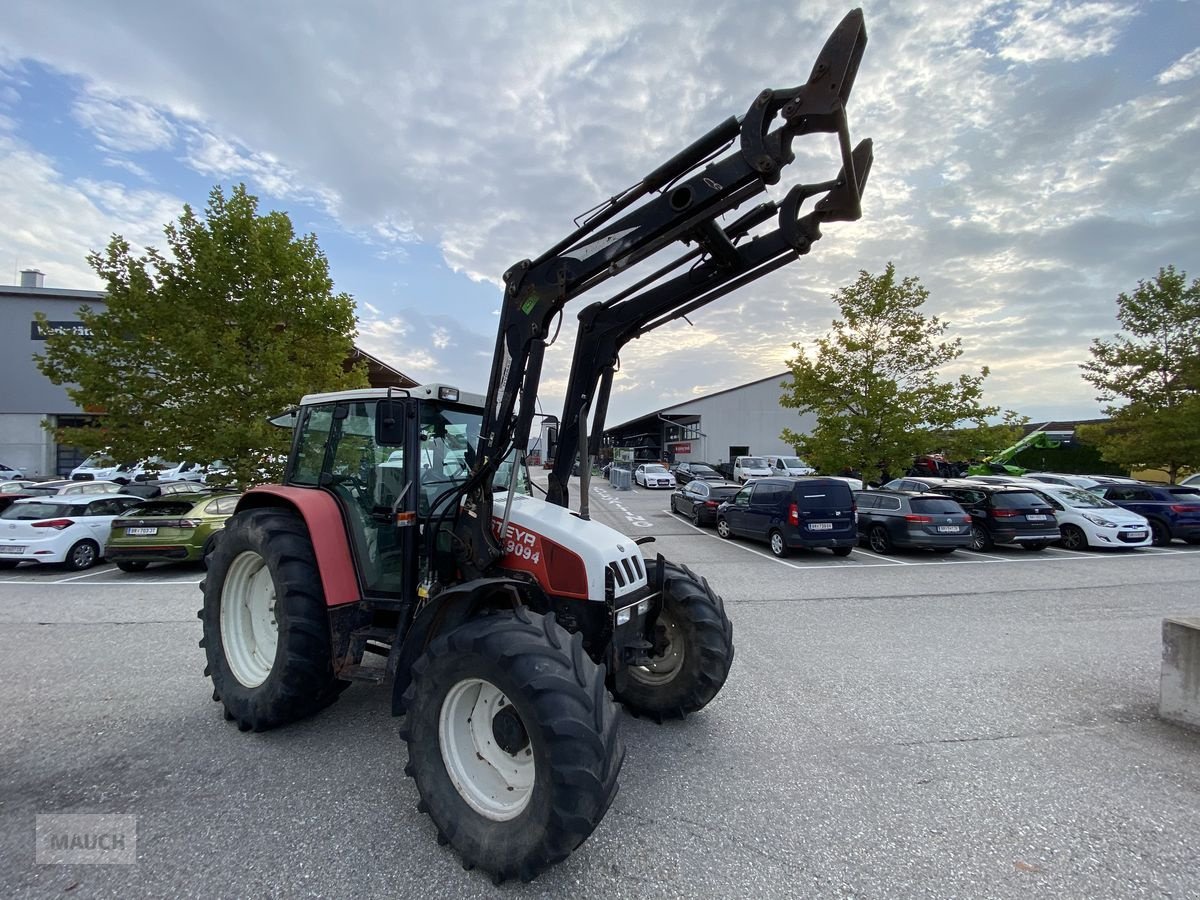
1100 520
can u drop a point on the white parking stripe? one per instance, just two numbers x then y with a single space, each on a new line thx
84 575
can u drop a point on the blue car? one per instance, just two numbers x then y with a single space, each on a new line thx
1173 511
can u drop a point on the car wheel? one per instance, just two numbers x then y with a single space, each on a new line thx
1160 534
879 539
132 565
1035 546
723 529
980 539
778 545
82 555
1073 537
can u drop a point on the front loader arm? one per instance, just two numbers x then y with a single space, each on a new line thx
689 200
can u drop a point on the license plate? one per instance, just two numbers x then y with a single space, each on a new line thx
1036 517
948 529
820 526
9 548
141 531
1138 535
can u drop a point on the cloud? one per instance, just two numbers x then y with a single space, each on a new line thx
123 124
1187 66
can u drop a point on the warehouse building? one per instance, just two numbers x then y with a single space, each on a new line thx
28 398
715 428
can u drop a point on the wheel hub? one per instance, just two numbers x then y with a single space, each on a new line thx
509 731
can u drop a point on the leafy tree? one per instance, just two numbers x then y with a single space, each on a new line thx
1153 368
875 382
200 346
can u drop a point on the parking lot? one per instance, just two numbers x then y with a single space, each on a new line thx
978 725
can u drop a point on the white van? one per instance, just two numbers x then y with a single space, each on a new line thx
792 466
748 467
97 467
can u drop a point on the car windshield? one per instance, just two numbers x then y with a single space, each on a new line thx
753 462
172 508
701 469
1017 500
40 510
1081 499
655 470
793 462
97 461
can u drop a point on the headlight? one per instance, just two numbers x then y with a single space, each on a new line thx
623 615
1100 520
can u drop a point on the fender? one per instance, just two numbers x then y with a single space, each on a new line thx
324 521
451 608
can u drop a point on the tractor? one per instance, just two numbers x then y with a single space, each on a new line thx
405 546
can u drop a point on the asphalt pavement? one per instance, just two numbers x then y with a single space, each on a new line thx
978 725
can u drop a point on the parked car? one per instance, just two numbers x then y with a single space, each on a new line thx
789 466
1085 519
99 466
69 530
918 484
179 528
8 473
8 498
1002 479
888 520
747 467
653 475
1079 481
688 471
1173 511
64 488
792 513
16 486
1004 514
699 499
1191 481
148 490
855 484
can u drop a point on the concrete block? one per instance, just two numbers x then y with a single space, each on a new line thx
1179 685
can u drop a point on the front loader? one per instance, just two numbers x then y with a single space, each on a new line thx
405 530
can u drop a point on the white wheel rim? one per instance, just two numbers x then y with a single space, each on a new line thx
249 630
495 783
661 669
777 544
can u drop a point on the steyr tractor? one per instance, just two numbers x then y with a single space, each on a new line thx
405 528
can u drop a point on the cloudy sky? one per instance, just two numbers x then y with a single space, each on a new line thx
1032 159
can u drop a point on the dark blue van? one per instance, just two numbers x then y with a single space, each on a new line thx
792 513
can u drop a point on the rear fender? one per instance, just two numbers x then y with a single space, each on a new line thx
451 608
321 515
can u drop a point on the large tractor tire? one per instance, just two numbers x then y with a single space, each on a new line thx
512 742
266 627
693 650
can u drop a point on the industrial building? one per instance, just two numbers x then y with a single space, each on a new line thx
31 405
715 428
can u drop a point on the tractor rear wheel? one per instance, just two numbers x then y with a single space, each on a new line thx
512 742
693 650
266 627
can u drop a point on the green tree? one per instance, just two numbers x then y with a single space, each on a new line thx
198 347
875 382
1150 377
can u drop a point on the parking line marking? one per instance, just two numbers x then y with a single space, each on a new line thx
121 584
84 575
984 555
887 559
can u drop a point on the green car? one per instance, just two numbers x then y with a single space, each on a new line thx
176 528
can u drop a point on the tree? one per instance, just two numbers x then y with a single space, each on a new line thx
1154 369
875 382
199 347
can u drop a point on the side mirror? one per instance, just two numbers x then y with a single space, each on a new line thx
389 423
552 442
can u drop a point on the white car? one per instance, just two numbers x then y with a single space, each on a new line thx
98 466
70 531
790 466
1086 519
74 488
1079 481
653 475
8 473
1190 481
747 467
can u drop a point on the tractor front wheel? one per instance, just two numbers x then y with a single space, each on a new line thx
266 627
692 653
512 741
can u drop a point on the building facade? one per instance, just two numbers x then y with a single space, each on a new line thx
715 428
31 406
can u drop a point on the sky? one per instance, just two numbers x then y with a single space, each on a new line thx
1033 160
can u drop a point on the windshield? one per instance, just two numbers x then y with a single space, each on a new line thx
701 469
753 462
449 436
39 510
97 461
794 462
655 470
1078 498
